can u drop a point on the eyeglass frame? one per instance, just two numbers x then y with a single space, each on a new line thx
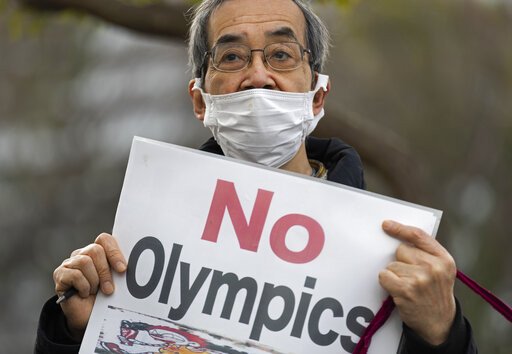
302 51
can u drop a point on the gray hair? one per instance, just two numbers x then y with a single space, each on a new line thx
317 36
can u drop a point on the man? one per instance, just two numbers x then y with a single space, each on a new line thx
258 87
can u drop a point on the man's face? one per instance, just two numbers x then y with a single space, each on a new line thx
257 23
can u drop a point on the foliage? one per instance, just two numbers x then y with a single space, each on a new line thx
22 21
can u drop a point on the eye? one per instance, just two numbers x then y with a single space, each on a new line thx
282 52
280 55
283 55
230 54
230 57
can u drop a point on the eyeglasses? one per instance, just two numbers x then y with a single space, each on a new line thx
281 56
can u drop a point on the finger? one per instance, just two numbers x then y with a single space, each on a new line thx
75 252
65 278
412 255
413 235
97 254
112 251
85 264
407 254
391 282
403 269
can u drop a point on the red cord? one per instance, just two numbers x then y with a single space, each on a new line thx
388 305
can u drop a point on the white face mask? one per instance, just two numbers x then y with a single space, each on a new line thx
261 125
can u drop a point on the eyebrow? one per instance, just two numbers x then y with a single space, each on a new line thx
284 31
230 38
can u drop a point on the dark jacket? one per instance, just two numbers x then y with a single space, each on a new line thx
344 166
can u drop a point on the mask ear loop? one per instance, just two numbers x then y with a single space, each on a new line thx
312 73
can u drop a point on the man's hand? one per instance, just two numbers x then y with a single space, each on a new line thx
88 269
421 282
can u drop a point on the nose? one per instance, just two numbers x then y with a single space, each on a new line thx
258 75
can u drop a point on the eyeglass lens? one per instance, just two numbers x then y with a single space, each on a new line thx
235 56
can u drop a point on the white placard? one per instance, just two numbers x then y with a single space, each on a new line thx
231 257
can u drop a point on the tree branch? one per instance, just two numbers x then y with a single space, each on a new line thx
381 149
160 19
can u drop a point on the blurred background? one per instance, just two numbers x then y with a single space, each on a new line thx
423 90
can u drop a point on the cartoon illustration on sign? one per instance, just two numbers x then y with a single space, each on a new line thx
126 331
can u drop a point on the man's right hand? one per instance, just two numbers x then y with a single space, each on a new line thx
88 269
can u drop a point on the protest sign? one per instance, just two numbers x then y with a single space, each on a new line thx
231 257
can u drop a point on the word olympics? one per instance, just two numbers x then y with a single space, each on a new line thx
249 234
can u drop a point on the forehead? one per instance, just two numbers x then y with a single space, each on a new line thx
255 19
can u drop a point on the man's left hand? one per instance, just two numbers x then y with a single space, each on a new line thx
421 282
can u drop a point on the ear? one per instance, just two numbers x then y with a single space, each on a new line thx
197 100
319 99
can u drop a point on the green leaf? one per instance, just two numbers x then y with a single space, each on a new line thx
15 25
341 4
36 25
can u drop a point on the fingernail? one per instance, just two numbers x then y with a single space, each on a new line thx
120 267
388 224
108 287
